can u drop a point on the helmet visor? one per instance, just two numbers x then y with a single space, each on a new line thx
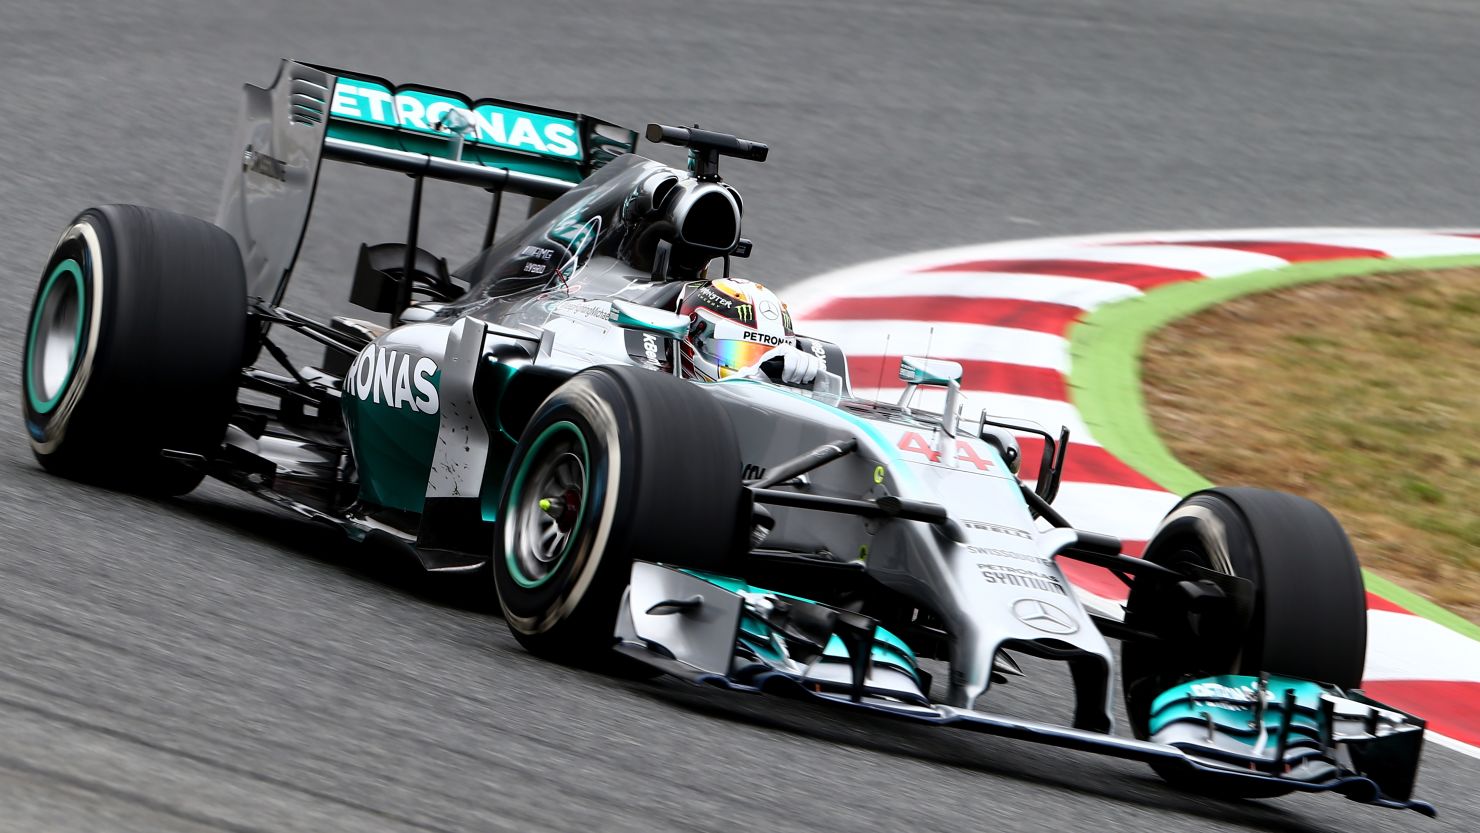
735 356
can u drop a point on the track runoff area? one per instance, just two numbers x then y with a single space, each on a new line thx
1005 312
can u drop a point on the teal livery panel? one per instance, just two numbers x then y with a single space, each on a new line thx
392 405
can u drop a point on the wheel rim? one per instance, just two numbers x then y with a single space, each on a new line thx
55 339
547 504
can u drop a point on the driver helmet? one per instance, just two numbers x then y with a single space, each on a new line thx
733 325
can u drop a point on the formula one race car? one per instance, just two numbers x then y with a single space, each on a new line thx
540 414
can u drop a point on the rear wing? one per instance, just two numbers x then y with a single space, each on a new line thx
487 132
310 113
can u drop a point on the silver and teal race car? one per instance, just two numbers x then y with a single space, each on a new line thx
525 419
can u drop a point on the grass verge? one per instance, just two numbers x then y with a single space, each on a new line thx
1106 387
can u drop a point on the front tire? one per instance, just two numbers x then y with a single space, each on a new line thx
618 463
1308 615
134 347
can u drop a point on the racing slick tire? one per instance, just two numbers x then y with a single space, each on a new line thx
134 347
619 463
1307 617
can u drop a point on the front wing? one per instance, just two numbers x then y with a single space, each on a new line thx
688 626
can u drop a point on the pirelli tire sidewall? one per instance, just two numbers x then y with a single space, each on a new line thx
663 485
86 247
157 351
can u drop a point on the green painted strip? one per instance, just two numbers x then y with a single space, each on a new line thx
1105 378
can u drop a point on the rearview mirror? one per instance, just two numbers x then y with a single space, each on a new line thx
649 319
917 371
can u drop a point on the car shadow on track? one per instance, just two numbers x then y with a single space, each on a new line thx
387 566
1088 776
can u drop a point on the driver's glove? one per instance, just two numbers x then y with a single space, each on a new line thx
799 367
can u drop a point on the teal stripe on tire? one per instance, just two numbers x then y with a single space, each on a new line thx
61 305
523 508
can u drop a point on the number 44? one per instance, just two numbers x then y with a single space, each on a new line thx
914 443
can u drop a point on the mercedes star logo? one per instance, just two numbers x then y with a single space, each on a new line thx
1044 617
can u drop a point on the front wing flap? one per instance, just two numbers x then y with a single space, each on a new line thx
691 628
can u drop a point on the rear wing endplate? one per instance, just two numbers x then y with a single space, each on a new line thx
310 113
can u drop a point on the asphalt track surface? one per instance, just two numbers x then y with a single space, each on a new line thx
208 663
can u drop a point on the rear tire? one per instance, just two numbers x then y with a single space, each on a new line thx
634 464
134 347
1309 612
